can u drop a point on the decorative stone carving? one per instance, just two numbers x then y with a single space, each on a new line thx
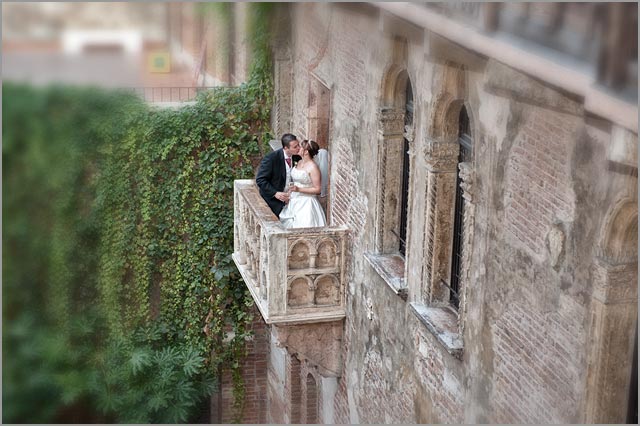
467 248
369 306
300 292
327 254
613 315
391 122
294 275
614 311
620 234
327 290
614 284
409 132
466 174
443 169
320 344
391 155
299 256
555 244
441 156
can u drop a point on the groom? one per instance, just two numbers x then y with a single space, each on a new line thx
274 169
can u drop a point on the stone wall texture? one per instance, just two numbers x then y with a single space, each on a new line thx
540 194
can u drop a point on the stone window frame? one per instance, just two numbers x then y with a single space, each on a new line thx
386 259
429 299
613 316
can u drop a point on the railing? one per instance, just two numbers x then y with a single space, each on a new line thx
294 275
169 94
602 36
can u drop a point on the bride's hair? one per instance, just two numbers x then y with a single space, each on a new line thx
310 146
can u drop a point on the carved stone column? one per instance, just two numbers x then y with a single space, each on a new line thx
467 176
612 328
442 161
390 147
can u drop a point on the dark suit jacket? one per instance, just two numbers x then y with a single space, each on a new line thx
271 178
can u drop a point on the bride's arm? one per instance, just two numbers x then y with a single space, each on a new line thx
316 181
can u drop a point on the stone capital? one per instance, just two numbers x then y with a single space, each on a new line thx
615 284
391 122
441 156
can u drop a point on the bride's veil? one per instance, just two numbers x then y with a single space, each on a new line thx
322 160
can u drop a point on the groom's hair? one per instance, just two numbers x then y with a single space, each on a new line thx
286 139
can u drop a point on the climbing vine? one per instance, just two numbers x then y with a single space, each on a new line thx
128 239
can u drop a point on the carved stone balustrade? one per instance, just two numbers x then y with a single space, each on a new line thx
296 276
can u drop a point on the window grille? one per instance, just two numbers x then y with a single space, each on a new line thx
408 121
464 139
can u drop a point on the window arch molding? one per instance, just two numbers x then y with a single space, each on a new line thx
393 130
395 164
614 308
446 174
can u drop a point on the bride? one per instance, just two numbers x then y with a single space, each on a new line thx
304 209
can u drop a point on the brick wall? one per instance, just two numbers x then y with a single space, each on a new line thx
538 177
379 402
350 73
308 38
444 389
348 206
254 374
537 362
341 404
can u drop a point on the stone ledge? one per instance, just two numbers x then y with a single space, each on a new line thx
390 267
442 322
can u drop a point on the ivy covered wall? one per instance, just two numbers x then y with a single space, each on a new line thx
118 287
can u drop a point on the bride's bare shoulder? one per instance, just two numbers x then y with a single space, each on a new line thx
313 166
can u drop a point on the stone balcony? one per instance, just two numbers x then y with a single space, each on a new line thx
296 276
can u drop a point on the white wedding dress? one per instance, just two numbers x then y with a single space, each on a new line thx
303 210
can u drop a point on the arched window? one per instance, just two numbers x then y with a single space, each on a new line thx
312 400
295 391
408 121
464 140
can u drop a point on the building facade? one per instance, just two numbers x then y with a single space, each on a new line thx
480 263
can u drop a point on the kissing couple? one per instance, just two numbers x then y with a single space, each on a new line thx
289 180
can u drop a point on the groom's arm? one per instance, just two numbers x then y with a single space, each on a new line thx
263 178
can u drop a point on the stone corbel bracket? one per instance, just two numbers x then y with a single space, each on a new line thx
320 344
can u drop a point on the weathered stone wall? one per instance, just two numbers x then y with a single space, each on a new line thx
541 188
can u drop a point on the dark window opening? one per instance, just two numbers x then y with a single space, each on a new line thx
464 139
312 400
408 121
